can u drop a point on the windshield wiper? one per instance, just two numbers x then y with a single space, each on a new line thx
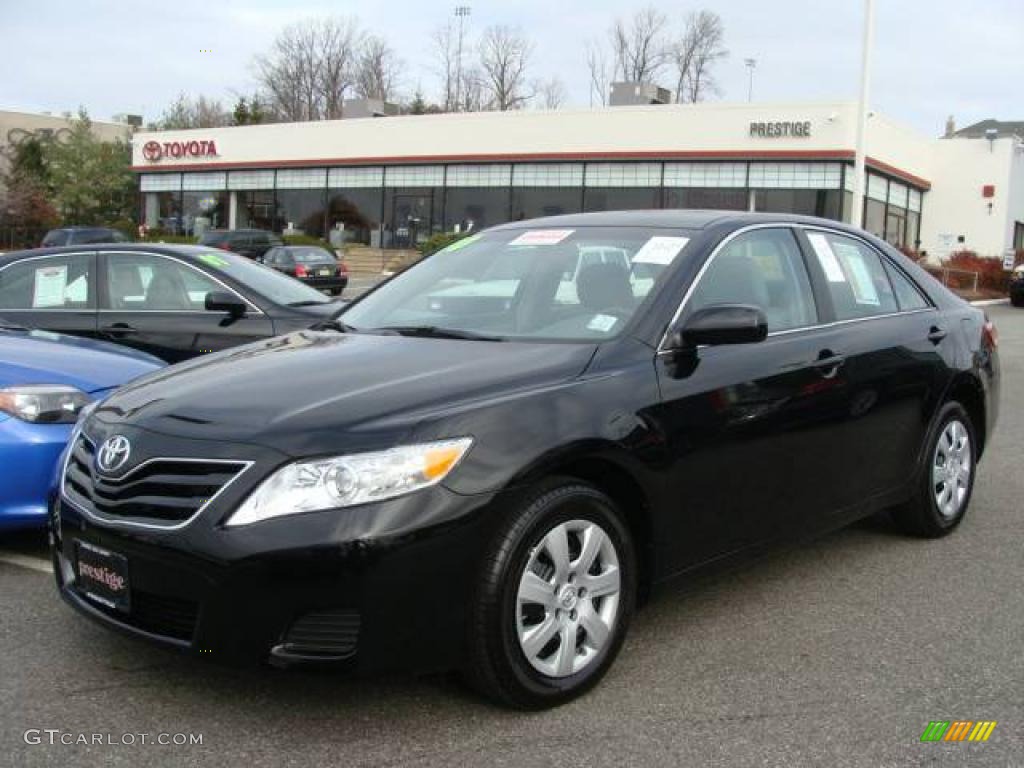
307 303
12 327
435 332
333 325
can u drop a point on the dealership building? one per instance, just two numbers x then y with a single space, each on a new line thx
392 181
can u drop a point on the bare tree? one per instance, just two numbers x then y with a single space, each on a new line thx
600 79
504 56
638 45
445 42
185 112
378 71
310 69
551 93
474 92
696 53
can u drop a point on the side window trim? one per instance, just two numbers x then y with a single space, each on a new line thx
800 230
92 285
107 253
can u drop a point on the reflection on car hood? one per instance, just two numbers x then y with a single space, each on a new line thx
301 392
40 357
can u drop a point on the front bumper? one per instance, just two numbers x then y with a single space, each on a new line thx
28 457
384 586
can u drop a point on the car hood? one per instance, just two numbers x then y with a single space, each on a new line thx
40 357
300 393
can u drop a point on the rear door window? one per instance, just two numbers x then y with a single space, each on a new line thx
855 277
66 281
907 294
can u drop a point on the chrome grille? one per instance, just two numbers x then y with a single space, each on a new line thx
165 492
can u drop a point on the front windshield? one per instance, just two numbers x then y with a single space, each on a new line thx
580 284
278 288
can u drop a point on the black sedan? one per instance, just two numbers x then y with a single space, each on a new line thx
1017 286
175 302
494 485
316 267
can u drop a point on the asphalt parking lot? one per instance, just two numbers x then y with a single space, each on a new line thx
837 652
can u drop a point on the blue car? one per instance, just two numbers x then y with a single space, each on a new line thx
45 381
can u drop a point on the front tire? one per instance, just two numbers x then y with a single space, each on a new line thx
943 492
555 597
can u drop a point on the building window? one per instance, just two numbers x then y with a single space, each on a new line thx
203 210
874 217
532 203
300 211
474 208
251 180
479 176
204 182
623 175
824 203
414 176
711 199
795 175
547 175
622 199
256 209
302 178
357 211
160 182
705 175
356 178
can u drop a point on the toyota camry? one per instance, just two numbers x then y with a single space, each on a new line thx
489 461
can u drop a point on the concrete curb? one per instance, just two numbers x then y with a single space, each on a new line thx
989 302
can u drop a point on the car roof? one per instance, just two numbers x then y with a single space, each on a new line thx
666 218
188 252
82 228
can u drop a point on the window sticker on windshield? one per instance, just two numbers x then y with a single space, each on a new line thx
826 257
542 237
214 260
602 323
51 282
660 250
458 245
861 281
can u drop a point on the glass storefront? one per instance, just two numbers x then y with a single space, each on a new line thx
475 208
401 206
300 211
356 213
535 202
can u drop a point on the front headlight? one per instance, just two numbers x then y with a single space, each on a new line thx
345 481
43 403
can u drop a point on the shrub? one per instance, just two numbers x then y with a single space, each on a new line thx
306 240
991 275
438 241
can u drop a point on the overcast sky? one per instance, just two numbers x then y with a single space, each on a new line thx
932 57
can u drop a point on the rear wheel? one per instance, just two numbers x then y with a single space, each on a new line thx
555 598
944 491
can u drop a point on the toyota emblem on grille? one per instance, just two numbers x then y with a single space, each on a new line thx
113 454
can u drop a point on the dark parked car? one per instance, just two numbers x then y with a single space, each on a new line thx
175 302
1017 286
316 267
251 243
82 236
494 485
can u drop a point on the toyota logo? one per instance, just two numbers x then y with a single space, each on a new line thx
113 454
152 151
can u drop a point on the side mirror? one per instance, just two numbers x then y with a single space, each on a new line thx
222 301
721 324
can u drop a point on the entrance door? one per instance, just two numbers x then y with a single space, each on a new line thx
411 217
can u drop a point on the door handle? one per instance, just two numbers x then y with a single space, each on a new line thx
936 334
118 330
828 363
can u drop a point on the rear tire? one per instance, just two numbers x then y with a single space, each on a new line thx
537 636
1017 299
943 491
